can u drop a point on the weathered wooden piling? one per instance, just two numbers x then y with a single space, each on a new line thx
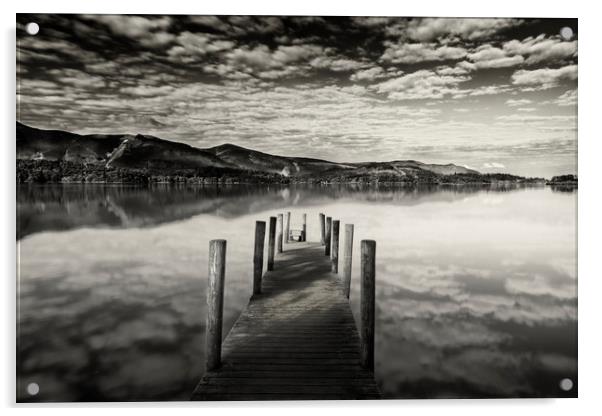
327 241
280 234
258 256
304 232
334 254
215 303
322 229
367 304
271 243
347 257
287 238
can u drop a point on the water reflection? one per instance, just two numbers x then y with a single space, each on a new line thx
64 207
476 287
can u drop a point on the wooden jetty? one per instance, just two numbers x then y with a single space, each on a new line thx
297 338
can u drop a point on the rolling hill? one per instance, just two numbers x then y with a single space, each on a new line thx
158 157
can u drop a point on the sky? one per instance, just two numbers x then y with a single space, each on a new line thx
492 94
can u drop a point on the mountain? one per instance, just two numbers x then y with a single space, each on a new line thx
153 157
263 162
125 151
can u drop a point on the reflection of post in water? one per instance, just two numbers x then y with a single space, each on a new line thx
298 304
322 229
327 242
288 227
347 257
280 233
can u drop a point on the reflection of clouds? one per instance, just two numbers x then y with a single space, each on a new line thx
559 363
445 332
145 329
120 314
464 289
467 296
528 292
541 280
138 372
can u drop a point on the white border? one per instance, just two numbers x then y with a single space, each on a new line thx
590 154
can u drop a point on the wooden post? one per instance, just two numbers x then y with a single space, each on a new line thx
288 227
271 243
258 256
280 235
215 303
304 227
327 241
322 229
347 259
367 302
334 255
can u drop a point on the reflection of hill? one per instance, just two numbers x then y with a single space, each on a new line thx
569 188
64 207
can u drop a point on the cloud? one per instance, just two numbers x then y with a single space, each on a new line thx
482 90
518 102
493 165
190 46
490 57
263 57
256 24
567 98
411 53
429 29
544 78
78 79
147 91
295 53
541 49
318 81
531 118
420 85
213 22
369 74
150 32
336 64
455 70
529 51
52 50
373 22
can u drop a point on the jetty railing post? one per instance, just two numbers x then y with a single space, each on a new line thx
322 229
334 255
327 240
367 304
271 243
304 227
347 257
288 227
258 256
215 303
280 235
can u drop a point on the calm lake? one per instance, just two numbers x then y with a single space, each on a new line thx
476 287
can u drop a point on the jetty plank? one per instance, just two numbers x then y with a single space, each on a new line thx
296 340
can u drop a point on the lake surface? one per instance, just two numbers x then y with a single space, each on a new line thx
476 287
